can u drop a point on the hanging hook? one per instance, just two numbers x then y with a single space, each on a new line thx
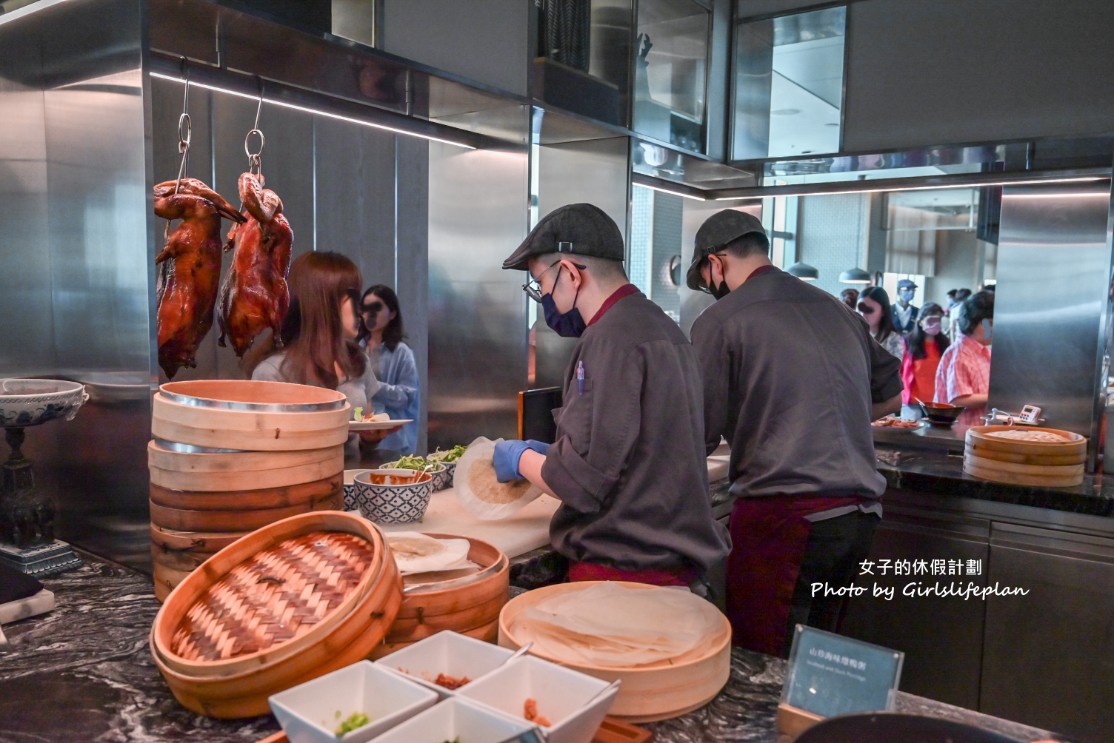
254 160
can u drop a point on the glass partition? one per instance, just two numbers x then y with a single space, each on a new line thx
671 71
788 85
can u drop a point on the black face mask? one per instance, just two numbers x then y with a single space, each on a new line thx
566 324
720 291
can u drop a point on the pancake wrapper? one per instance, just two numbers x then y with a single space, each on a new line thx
480 493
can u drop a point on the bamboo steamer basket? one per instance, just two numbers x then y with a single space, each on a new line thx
233 500
1021 462
657 691
469 606
218 640
241 470
249 415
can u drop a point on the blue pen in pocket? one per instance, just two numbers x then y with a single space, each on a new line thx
580 377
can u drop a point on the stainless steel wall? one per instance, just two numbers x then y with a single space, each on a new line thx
74 260
1054 267
477 312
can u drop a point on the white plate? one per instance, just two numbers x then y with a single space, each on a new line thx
377 425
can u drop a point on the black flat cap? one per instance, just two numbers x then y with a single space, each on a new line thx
717 231
579 229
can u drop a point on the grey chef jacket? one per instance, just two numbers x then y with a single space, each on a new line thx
790 375
628 464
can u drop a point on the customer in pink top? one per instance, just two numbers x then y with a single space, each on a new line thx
963 377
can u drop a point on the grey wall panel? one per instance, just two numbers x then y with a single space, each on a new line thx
477 313
354 170
952 71
1054 265
493 50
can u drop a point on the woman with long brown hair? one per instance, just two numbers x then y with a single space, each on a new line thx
319 333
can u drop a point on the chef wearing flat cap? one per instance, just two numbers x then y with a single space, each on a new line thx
793 379
628 462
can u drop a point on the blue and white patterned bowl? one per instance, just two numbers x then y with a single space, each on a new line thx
29 402
389 503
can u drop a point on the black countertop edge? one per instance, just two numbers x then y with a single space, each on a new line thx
939 472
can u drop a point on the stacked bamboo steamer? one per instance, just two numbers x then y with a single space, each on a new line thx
1025 455
468 605
231 456
287 603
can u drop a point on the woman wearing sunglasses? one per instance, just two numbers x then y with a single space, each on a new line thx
319 335
874 306
924 346
381 335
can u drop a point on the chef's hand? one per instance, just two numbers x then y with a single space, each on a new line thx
507 454
374 436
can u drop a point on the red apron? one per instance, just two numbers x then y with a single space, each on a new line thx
579 571
768 540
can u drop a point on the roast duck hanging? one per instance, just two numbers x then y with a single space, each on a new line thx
190 268
254 295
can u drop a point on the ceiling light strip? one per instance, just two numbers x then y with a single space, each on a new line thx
986 180
310 110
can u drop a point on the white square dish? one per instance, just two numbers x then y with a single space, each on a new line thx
311 712
447 652
574 703
453 718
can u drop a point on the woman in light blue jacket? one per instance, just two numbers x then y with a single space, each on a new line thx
381 335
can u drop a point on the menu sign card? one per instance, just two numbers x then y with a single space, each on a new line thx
834 675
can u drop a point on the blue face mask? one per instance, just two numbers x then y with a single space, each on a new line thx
906 294
566 324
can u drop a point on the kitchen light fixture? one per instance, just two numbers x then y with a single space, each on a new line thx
880 185
854 276
803 271
306 109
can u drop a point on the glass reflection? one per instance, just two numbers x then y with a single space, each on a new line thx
789 85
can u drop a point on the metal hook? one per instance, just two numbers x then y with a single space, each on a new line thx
259 106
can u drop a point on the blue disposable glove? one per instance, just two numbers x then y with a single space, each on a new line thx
506 456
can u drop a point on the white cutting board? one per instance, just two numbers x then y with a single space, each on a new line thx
525 530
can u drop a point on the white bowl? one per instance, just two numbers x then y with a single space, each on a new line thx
575 703
446 652
29 402
442 473
457 717
311 712
390 503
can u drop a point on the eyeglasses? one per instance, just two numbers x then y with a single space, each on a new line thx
865 308
533 288
373 308
716 251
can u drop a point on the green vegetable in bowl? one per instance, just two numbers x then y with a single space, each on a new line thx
448 456
352 722
410 462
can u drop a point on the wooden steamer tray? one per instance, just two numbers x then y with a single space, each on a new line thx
285 604
469 605
657 691
1020 462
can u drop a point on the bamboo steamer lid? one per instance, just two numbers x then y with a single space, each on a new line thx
657 691
1021 461
284 604
468 605
250 415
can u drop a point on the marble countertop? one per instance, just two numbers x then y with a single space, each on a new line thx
84 672
939 471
